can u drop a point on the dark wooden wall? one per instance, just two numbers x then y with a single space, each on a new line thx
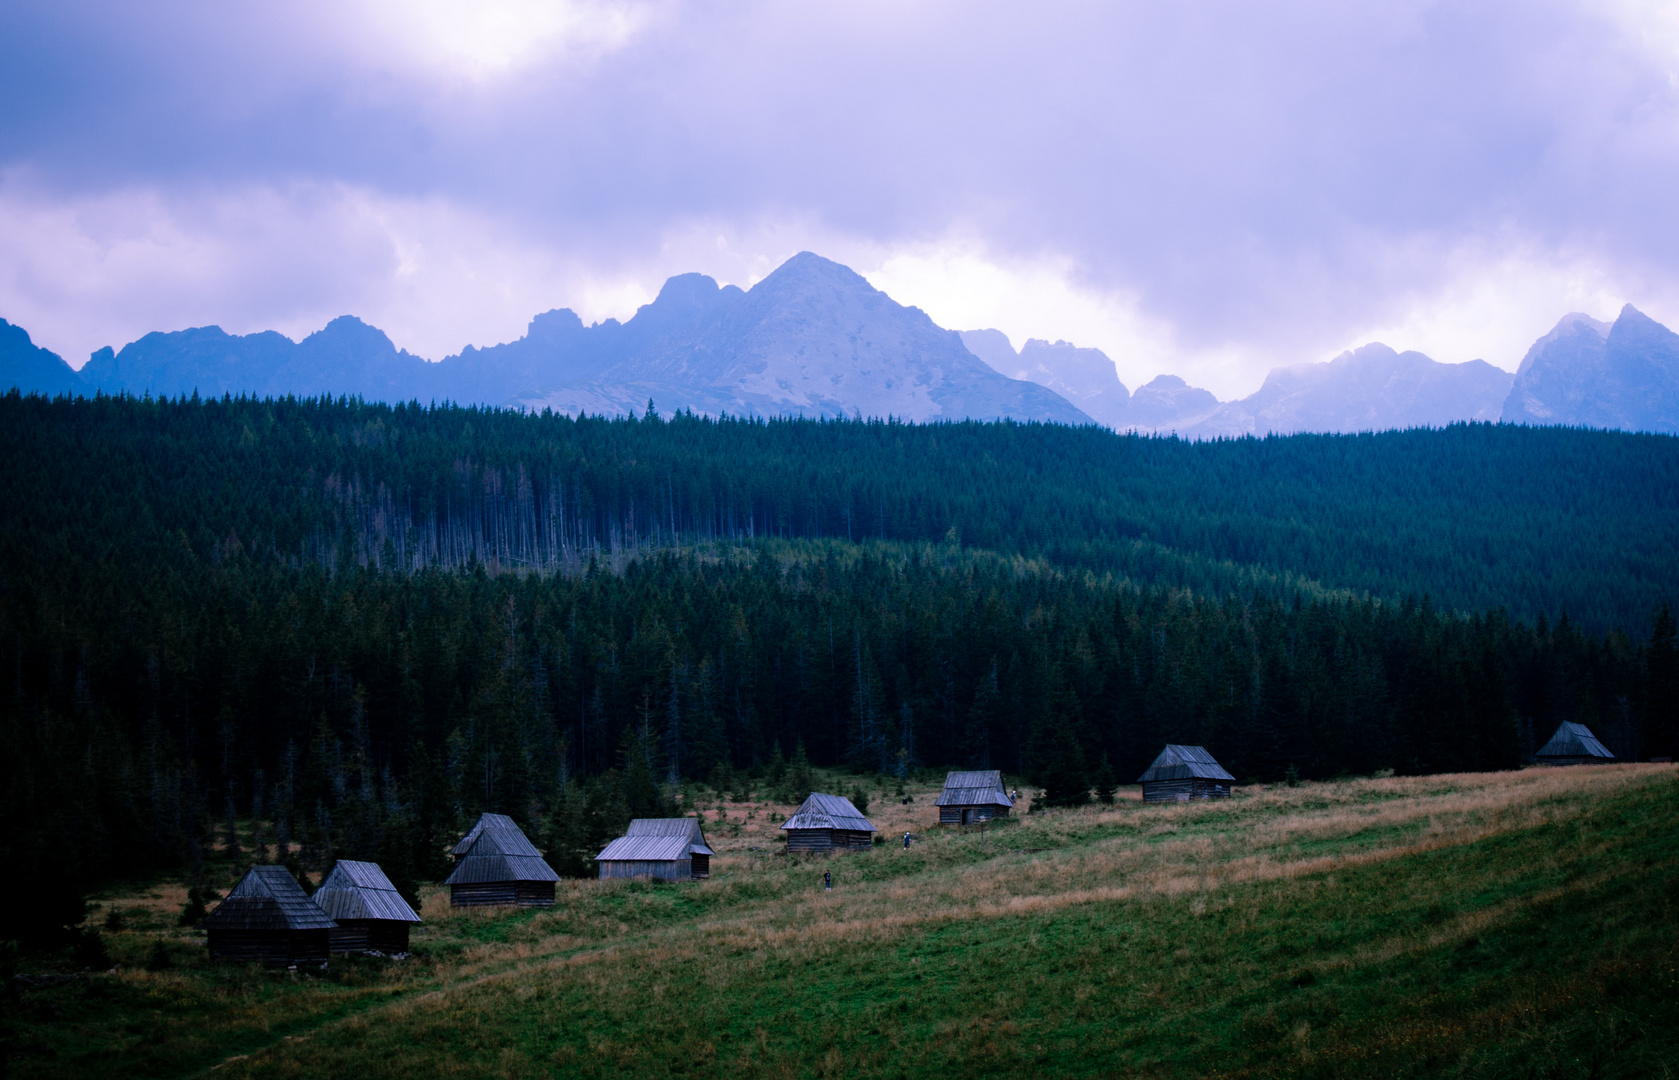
658 869
827 839
503 894
270 946
1184 790
952 815
360 935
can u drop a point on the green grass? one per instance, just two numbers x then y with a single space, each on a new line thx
1493 925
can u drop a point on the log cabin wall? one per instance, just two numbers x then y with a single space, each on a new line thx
270 946
503 894
969 815
1184 790
351 936
388 935
827 840
659 870
362 935
810 840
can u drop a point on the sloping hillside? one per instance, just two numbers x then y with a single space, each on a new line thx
1479 925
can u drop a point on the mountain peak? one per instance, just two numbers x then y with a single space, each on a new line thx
1585 373
808 269
349 333
29 367
994 347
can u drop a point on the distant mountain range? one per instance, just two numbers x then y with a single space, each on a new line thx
816 339
1584 373
811 339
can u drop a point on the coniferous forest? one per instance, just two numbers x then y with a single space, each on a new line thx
364 624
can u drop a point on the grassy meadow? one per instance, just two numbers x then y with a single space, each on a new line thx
1504 924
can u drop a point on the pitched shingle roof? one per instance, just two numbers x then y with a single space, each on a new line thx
1185 763
267 898
981 788
646 849
485 821
658 840
828 812
360 890
1574 740
500 853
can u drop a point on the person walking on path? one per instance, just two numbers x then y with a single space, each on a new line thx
827 881
906 841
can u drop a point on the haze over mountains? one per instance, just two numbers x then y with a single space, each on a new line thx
815 339
1371 388
811 339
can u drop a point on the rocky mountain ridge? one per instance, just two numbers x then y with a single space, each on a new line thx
1584 373
811 339
816 339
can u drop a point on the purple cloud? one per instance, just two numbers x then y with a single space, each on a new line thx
1271 179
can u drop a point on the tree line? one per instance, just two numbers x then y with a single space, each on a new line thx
179 659
1536 521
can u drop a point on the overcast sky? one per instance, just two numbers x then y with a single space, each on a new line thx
1204 189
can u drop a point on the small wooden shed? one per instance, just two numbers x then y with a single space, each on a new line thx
666 849
827 823
496 865
269 918
1182 773
1574 744
973 796
371 915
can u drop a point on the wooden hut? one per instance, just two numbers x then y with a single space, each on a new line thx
497 865
666 849
268 917
827 823
1182 773
973 796
371 915
1574 744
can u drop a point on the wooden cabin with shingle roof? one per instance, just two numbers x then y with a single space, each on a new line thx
269 918
496 865
665 849
371 915
1182 773
1574 744
827 823
973 796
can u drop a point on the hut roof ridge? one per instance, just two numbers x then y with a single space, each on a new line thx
503 842
500 851
648 849
975 787
658 840
486 820
268 898
1180 762
678 826
1574 740
822 811
477 869
360 890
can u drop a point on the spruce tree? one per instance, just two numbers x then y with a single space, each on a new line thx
799 777
1066 776
1105 782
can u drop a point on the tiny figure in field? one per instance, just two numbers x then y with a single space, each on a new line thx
906 841
1014 795
827 881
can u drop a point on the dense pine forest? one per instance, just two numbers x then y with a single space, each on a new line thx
361 625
